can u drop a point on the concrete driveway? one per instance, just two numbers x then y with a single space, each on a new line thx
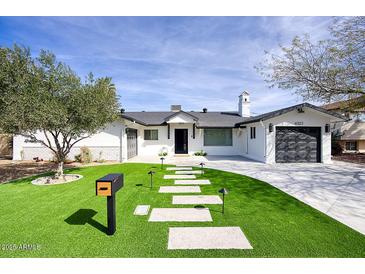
336 189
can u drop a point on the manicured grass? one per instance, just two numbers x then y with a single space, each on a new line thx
276 224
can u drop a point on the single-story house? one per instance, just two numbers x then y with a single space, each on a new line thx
300 133
350 134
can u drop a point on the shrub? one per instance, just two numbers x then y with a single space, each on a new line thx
162 154
85 155
78 158
200 153
336 148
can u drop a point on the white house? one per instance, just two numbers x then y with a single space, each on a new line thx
299 133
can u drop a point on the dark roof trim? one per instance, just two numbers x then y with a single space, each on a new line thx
140 122
179 112
215 127
282 111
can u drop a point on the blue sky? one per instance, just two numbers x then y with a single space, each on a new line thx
158 61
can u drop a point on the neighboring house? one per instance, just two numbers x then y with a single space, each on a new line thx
350 133
299 133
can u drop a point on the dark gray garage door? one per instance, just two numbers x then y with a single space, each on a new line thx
131 143
298 145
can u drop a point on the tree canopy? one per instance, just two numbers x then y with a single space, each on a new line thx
326 70
44 95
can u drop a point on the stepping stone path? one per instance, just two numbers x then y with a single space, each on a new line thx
179 168
142 210
179 189
186 172
196 200
192 182
179 177
230 237
193 237
180 215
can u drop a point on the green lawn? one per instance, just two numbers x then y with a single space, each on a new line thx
276 224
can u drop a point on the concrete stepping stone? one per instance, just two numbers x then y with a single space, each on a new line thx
182 165
186 172
196 200
180 215
230 237
142 210
179 177
192 182
179 168
179 189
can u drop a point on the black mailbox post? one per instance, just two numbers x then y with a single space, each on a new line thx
108 186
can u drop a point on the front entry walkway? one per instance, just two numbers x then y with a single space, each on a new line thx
336 189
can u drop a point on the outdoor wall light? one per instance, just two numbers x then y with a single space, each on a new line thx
162 158
327 128
270 127
151 173
224 192
300 110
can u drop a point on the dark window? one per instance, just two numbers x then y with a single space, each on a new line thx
253 132
217 137
351 145
151 134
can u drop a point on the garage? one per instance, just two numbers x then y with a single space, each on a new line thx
131 142
298 145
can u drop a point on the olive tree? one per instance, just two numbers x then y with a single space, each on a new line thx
45 101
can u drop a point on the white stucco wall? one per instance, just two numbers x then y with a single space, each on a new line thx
310 118
263 147
103 145
254 148
154 147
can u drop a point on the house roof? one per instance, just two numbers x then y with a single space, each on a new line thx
207 119
181 112
357 104
354 130
215 118
282 111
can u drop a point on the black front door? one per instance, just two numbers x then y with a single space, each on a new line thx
181 141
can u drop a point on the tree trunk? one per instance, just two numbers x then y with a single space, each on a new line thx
59 169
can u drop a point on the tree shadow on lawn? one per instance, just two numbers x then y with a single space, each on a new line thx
85 216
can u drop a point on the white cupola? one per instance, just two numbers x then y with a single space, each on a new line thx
244 104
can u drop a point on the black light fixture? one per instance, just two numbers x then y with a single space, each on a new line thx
224 192
327 128
300 110
270 127
151 173
202 166
162 158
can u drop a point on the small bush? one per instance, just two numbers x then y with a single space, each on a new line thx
336 148
162 154
200 153
85 155
78 158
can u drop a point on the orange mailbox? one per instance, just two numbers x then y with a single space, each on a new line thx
107 186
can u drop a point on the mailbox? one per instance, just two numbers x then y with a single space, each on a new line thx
108 186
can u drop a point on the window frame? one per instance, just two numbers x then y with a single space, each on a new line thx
150 135
252 132
351 143
207 130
